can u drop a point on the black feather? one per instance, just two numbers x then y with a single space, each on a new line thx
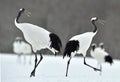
108 59
71 46
55 42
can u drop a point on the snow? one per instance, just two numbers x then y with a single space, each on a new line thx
0 68
52 69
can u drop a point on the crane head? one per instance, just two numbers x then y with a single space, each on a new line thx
101 45
98 20
22 9
94 19
25 11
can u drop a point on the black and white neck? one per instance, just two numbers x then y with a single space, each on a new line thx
19 14
93 22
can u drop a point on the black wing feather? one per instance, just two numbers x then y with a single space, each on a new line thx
71 46
55 42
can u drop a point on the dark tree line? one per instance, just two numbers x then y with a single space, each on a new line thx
64 17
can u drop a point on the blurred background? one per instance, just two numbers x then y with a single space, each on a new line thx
66 18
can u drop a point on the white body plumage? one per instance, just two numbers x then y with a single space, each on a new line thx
85 40
35 35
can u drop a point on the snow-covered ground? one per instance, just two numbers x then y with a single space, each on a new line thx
52 69
0 68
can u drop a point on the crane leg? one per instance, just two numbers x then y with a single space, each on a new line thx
41 57
30 58
68 63
36 64
19 58
96 69
100 69
24 59
33 72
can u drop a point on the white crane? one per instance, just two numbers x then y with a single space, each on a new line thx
100 55
20 47
38 38
79 44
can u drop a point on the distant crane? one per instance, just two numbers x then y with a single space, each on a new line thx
16 45
20 47
100 55
38 38
79 44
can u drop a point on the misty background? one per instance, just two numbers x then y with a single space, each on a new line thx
66 18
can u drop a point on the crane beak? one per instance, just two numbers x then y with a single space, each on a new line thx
101 21
28 13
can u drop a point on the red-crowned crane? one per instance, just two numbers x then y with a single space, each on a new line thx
20 47
79 44
38 38
100 54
